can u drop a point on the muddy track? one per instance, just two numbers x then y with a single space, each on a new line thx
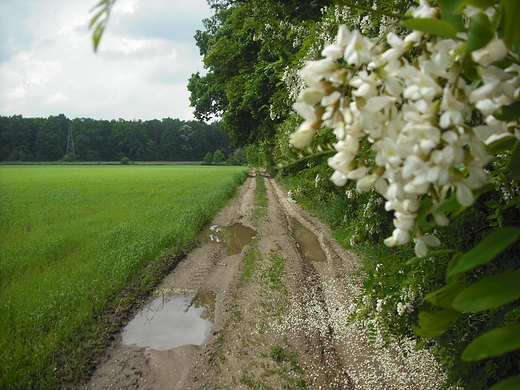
280 318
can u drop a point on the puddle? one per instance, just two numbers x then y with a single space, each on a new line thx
169 322
309 244
233 237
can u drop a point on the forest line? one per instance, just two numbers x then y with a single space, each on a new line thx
45 139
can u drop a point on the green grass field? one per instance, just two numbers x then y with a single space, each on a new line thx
73 236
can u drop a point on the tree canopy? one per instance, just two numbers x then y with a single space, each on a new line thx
247 46
45 139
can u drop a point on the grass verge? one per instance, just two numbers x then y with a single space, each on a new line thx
79 245
261 204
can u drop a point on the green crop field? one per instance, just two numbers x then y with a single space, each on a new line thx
73 236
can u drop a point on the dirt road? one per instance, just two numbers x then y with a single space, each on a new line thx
280 315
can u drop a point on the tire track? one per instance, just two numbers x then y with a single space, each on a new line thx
310 308
259 329
323 296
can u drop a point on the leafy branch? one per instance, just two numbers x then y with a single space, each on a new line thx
100 19
307 154
368 9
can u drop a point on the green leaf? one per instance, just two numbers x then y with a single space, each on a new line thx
424 206
502 145
516 44
449 205
454 278
512 203
440 252
511 383
454 18
431 26
496 342
508 113
509 11
471 71
492 204
482 4
514 162
432 325
479 32
420 345
101 2
444 296
489 293
413 260
98 21
95 18
450 5
96 36
486 250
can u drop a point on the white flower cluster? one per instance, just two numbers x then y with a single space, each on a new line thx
413 114
408 300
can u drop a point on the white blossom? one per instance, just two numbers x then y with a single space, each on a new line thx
358 48
303 136
494 51
452 108
413 115
424 11
422 242
311 96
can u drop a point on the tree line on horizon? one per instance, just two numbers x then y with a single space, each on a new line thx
45 139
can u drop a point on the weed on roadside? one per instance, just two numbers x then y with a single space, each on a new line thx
251 260
261 201
272 275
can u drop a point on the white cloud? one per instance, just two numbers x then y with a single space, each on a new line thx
56 98
140 71
15 93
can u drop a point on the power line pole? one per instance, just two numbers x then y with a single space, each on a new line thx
71 153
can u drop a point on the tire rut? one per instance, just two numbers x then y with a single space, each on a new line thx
291 336
308 293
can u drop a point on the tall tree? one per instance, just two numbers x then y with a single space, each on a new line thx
246 46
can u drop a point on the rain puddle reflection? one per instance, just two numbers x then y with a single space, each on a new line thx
309 244
169 321
233 237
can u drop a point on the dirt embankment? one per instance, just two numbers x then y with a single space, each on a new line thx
280 317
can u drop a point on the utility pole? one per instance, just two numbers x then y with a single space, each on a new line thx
71 153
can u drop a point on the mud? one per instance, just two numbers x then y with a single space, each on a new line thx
280 317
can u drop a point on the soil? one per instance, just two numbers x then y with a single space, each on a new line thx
280 318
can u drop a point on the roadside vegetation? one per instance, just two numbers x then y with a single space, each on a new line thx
261 204
73 238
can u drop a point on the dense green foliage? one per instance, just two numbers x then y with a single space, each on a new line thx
45 139
247 46
73 236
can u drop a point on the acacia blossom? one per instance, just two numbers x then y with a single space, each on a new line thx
414 115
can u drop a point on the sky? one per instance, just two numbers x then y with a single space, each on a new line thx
140 71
